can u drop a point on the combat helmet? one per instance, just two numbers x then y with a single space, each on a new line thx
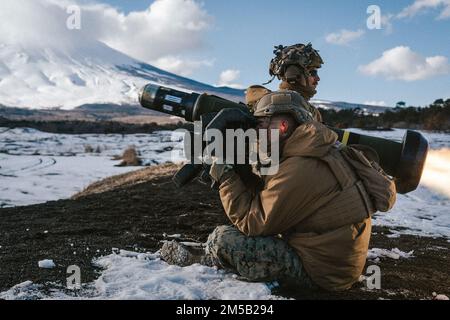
292 62
283 102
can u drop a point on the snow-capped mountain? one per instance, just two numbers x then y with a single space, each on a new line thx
36 77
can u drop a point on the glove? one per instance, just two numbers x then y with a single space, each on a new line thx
218 171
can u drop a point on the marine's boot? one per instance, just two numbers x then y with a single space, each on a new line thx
185 255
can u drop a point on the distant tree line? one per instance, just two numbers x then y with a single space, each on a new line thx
94 127
433 117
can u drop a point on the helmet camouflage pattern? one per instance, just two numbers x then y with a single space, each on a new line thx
299 55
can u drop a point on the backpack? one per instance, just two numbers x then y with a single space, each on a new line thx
379 186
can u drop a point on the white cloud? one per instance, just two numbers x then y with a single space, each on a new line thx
228 77
167 29
445 14
401 63
386 22
376 103
180 66
344 36
420 6
34 23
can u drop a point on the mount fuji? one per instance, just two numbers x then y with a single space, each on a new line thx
38 77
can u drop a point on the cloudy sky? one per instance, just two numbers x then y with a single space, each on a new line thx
231 42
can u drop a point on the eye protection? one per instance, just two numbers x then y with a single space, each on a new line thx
313 73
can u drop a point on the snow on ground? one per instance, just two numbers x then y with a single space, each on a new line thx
46 264
440 297
376 253
37 167
137 276
422 212
29 180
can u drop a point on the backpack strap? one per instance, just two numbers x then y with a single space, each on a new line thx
346 175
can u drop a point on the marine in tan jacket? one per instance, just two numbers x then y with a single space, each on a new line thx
320 211
309 225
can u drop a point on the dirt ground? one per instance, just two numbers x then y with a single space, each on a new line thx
135 211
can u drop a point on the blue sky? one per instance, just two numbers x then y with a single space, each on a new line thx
242 34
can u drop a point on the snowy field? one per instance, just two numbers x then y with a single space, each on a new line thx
133 276
144 276
37 166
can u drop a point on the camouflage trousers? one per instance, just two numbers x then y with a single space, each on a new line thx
256 258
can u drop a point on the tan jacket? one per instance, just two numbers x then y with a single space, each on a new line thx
324 219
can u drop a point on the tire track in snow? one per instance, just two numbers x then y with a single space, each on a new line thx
41 164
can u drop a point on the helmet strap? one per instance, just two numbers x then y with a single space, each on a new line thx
270 81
